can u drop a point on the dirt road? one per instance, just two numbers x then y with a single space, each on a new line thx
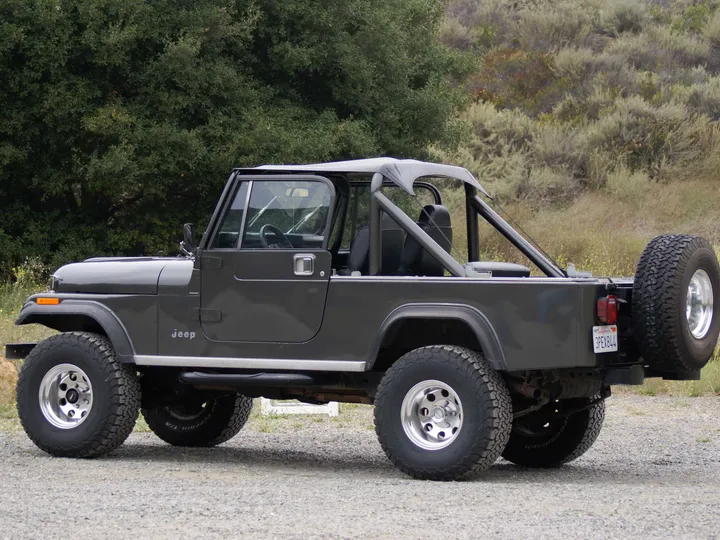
655 470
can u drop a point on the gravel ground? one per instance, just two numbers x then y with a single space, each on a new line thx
654 471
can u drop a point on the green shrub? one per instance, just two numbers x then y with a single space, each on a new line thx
546 26
514 78
711 31
454 34
573 63
693 17
705 98
626 184
556 146
660 48
620 16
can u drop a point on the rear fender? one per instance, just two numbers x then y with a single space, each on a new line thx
476 321
81 315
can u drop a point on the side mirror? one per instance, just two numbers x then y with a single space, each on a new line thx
187 246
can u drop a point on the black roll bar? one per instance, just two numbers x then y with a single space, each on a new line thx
471 219
379 203
474 207
515 238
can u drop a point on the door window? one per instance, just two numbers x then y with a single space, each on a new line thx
229 232
288 215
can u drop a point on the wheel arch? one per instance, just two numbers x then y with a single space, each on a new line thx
84 316
466 325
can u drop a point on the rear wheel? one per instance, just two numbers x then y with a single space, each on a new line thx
200 423
442 413
546 438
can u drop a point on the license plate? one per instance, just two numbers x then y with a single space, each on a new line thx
605 339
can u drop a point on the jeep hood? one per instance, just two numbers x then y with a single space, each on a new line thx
137 275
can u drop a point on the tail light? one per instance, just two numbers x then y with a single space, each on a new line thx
607 308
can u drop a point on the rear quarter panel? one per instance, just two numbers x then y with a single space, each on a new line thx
541 323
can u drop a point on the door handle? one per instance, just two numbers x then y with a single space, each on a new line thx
304 264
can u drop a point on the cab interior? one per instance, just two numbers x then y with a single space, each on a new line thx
402 254
334 215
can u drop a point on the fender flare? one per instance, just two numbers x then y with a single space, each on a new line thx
472 317
53 316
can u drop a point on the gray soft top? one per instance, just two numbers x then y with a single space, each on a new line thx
402 172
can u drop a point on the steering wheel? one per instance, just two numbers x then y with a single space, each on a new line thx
280 242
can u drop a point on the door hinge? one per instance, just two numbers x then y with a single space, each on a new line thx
208 315
211 263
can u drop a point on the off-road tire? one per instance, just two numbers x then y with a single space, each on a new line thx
567 439
116 396
658 303
219 421
487 413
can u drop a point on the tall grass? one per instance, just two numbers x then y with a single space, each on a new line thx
12 297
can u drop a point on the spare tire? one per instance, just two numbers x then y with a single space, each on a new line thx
675 304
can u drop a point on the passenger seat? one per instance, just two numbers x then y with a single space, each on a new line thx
416 261
392 249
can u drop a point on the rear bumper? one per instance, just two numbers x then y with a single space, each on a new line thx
18 351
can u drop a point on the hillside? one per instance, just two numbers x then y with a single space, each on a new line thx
595 121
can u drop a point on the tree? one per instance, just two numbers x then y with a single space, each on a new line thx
121 120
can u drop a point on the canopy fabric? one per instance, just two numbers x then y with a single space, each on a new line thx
402 172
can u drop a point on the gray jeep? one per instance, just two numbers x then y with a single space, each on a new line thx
313 283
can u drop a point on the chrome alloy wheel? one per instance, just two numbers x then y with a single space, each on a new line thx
699 305
432 415
65 396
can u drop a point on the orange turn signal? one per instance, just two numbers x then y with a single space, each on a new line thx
47 301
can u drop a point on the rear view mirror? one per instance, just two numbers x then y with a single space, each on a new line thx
187 246
299 193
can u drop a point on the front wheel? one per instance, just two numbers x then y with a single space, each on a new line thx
548 438
442 413
74 398
198 422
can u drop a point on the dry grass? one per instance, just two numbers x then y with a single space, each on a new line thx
599 231
11 300
8 378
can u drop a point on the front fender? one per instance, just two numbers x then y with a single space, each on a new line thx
472 317
80 315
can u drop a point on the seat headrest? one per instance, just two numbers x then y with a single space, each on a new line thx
435 214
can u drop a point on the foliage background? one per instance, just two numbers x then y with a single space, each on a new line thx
119 121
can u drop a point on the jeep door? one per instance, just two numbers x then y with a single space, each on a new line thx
266 269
